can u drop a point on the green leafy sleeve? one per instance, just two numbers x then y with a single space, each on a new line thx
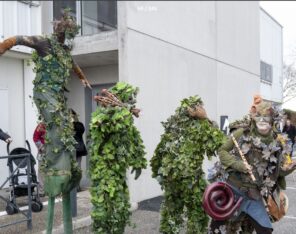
138 160
227 159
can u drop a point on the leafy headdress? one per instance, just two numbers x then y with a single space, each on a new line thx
67 25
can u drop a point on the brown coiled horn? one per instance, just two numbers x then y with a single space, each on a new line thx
219 201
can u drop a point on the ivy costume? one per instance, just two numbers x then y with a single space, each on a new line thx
53 64
262 198
177 165
116 145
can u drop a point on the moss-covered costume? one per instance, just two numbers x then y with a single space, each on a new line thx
116 145
177 165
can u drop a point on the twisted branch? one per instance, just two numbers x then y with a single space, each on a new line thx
109 99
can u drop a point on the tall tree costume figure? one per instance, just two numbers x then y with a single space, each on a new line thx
177 165
253 169
53 64
116 145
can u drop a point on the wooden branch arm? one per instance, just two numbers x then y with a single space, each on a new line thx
7 44
109 101
81 75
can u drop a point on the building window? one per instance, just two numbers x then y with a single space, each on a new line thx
59 6
266 72
93 16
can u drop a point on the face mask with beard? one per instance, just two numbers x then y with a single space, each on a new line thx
263 125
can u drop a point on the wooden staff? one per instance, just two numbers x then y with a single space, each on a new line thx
242 156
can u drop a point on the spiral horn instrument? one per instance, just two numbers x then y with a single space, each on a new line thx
219 201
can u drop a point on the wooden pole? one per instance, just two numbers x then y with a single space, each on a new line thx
242 156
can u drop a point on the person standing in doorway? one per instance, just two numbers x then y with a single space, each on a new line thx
80 147
39 140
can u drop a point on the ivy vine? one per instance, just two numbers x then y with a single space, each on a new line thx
177 165
116 145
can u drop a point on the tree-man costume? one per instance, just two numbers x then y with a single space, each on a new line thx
53 64
261 200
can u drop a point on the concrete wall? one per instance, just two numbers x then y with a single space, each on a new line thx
18 18
172 50
271 52
11 78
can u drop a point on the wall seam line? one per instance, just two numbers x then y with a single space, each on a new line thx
195 52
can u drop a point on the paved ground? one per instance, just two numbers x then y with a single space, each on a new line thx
146 218
84 208
288 223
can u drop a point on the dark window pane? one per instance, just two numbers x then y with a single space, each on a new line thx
59 6
98 16
266 71
262 70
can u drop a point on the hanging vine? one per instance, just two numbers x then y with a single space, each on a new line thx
116 145
177 165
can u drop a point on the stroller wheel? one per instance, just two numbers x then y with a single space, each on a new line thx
37 206
10 209
41 205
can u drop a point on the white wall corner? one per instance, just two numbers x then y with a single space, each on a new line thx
122 31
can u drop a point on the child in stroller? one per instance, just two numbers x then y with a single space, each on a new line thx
18 183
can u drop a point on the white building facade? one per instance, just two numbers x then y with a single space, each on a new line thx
271 58
170 50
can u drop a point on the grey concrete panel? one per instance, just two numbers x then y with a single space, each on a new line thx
188 24
238 34
236 89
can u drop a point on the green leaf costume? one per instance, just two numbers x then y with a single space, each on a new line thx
53 64
52 75
177 165
116 145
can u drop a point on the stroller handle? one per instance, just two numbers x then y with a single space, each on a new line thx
8 146
28 145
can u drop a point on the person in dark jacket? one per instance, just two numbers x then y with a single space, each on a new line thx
290 130
5 137
78 135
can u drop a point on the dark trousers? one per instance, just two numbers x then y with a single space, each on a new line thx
247 224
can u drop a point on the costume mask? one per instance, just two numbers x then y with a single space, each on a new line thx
263 124
261 113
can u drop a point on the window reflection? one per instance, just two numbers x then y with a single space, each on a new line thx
98 16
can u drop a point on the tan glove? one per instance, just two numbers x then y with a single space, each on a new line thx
197 112
7 44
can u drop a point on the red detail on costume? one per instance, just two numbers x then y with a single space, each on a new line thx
219 201
39 133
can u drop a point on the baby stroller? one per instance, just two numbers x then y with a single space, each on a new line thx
18 183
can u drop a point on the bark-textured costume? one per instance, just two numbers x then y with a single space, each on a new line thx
116 145
266 156
53 64
177 165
